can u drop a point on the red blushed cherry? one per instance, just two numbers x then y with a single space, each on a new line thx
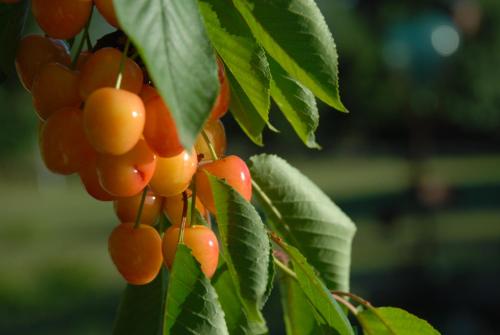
107 10
217 137
202 242
136 252
160 131
126 175
90 180
223 99
126 208
232 169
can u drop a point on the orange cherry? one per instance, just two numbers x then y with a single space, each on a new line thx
128 174
173 174
83 57
217 137
136 252
126 208
113 120
202 242
101 70
55 87
62 19
107 10
33 52
172 207
160 131
90 180
223 99
148 93
63 145
232 169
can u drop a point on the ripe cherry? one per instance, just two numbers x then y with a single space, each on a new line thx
148 93
126 208
172 207
101 69
160 131
55 86
62 19
83 57
173 174
223 99
202 242
217 137
113 120
63 145
136 252
232 169
128 174
107 10
90 180
33 52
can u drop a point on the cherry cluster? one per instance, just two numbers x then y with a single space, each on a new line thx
102 118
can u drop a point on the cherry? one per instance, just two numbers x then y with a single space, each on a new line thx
62 19
101 69
113 120
222 102
160 131
217 137
107 10
202 242
90 180
83 57
136 252
33 52
63 145
232 169
148 93
172 207
55 87
173 174
128 174
126 208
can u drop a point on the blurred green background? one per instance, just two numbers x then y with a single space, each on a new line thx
416 164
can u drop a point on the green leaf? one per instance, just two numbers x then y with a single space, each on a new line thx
12 18
317 293
192 305
297 104
242 55
305 217
245 113
171 39
246 247
393 321
141 308
294 32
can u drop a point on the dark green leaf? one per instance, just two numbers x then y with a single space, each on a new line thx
393 321
297 104
171 39
295 33
246 247
141 310
305 217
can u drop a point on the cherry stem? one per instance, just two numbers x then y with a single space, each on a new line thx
119 77
285 268
89 42
141 207
209 144
346 303
184 217
193 203
82 40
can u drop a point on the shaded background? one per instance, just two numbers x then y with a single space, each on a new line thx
416 164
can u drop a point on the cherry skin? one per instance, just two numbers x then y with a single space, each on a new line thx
83 57
172 207
232 169
113 120
223 99
173 174
160 131
63 145
128 174
148 93
202 242
90 180
33 52
217 137
126 208
62 19
107 10
101 70
55 87
136 252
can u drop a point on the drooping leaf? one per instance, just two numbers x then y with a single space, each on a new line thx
245 113
246 247
141 309
297 104
12 18
171 39
393 321
295 34
305 217
192 305
242 55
